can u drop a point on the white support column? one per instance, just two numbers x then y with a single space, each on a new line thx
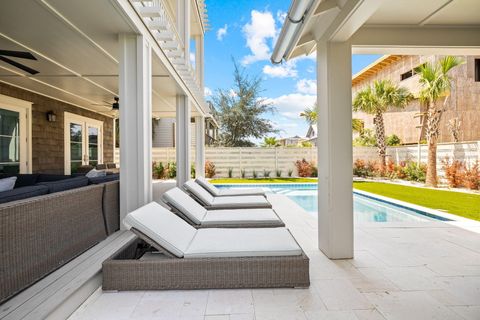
199 62
183 139
183 25
335 199
199 146
135 89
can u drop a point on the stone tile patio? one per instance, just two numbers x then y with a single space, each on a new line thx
428 270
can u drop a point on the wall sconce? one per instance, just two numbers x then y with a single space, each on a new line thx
51 116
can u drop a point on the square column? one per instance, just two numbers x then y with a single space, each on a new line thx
199 146
199 58
183 139
135 87
335 198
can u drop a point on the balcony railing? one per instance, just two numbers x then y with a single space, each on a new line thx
160 21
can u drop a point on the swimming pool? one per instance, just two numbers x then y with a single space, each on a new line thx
366 209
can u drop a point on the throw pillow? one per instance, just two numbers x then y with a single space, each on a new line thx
7 184
95 173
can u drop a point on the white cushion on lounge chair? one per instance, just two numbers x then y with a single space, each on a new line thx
162 226
202 194
228 192
255 242
233 202
241 216
185 204
241 202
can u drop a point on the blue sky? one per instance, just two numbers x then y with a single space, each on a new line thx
247 31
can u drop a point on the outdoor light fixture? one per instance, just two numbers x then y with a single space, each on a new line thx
51 116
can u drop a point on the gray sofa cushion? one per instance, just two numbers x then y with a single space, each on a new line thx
107 178
45 177
23 193
65 184
23 179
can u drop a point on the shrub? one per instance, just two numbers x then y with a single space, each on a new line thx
366 139
314 171
290 172
360 168
266 173
454 172
242 173
254 174
210 169
393 140
278 173
415 172
158 170
192 171
304 168
471 178
230 172
171 170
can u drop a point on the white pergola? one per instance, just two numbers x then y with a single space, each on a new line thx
337 28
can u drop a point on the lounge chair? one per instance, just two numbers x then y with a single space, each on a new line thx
216 192
192 212
189 258
235 202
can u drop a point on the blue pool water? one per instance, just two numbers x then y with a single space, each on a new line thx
366 209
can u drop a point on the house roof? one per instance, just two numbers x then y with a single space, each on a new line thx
373 68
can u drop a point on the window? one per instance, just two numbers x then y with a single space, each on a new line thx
406 75
477 70
15 147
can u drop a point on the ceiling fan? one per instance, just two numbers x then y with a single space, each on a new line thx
18 54
114 105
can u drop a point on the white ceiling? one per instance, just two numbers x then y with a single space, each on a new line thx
427 12
76 45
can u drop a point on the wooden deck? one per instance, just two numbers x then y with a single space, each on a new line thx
59 294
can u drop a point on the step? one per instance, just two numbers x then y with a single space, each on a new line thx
60 293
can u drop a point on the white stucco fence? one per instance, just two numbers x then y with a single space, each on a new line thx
283 158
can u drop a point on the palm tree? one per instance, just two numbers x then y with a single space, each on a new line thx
376 100
270 142
436 83
310 115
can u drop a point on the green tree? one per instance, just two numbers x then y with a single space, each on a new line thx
376 100
310 115
436 83
239 111
270 142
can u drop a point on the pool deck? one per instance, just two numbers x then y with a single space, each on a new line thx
414 270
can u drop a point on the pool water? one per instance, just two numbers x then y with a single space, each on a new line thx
366 209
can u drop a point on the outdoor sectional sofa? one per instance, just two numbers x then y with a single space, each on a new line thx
171 254
39 234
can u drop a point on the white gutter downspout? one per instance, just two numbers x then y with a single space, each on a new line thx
295 17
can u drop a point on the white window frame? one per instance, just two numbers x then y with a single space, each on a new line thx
24 108
85 121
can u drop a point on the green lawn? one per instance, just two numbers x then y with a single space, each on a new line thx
458 203
264 180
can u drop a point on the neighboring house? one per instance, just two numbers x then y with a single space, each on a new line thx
291 141
164 132
311 135
463 102
59 116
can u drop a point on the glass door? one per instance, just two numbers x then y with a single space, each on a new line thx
9 141
83 143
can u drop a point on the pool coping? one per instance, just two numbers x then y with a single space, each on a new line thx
429 212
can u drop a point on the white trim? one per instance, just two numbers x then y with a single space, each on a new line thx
25 109
85 122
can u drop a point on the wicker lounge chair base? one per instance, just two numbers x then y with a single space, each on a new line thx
123 271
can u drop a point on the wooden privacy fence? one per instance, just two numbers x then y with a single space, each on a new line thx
283 158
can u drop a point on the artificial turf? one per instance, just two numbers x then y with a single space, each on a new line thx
459 203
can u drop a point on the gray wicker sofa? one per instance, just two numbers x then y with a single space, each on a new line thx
40 234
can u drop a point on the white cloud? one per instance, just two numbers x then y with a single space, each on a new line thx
290 105
281 16
307 86
207 92
258 31
192 58
222 32
284 70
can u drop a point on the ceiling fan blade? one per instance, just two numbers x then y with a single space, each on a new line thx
17 54
19 65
